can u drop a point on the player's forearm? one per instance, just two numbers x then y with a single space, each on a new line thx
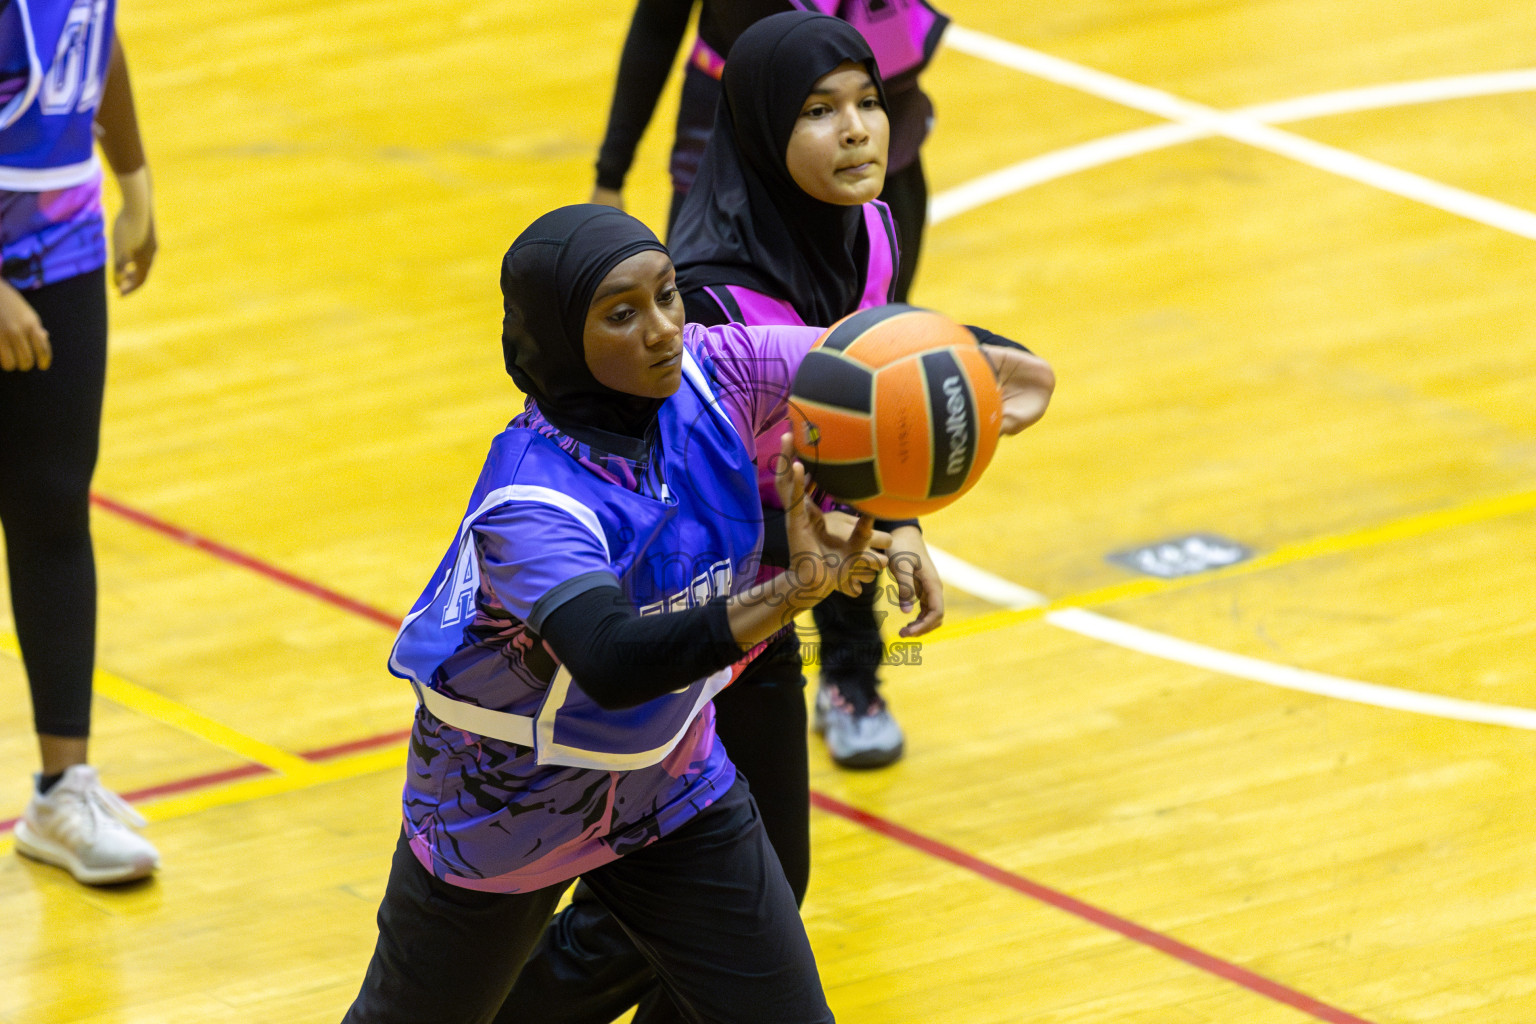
762 610
117 121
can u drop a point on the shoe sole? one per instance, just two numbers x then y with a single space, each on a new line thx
870 758
32 845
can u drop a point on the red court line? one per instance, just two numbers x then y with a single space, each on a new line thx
244 561
1088 912
1216 966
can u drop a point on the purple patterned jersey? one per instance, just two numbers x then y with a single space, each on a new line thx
53 60
551 517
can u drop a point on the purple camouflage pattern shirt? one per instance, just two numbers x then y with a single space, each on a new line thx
44 236
481 813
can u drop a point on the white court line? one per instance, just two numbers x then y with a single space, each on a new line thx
964 576
1035 171
980 583
1041 169
1088 155
1245 126
1171 649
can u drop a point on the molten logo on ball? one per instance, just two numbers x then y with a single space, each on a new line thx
958 422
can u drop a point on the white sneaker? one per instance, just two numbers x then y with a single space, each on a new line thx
83 827
866 736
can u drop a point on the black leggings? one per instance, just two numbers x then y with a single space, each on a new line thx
707 903
50 427
586 969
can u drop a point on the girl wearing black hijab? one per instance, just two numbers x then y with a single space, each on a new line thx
600 590
777 231
782 226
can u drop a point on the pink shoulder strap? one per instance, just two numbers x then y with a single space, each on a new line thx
902 34
883 255
745 306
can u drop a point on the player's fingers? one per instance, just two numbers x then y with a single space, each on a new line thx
132 259
121 269
906 582
926 622
789 476
783 481
16 351
915 627
144 255
931 603
865 535
867 564
42 349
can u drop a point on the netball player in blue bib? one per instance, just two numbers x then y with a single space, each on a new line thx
62 78
781 227
599 590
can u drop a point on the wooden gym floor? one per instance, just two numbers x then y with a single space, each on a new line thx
1280 254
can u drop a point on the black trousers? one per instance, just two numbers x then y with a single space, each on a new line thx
707 906
586 969
852 647
50 428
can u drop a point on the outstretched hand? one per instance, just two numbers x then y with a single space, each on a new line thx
1026 382
823 559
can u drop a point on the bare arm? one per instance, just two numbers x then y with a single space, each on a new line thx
117 129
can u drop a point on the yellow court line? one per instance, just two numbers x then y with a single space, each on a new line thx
339 770
197 801
1319 547
162 709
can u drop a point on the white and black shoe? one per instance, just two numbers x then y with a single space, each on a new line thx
859 728
85 828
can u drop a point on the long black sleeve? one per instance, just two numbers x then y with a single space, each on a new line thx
622 659
655 35
986 337
701 309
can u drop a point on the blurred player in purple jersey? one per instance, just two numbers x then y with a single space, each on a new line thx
63 78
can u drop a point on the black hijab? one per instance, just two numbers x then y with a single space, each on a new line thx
745 221
548 278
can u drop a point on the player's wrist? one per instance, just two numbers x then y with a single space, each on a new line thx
138 201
